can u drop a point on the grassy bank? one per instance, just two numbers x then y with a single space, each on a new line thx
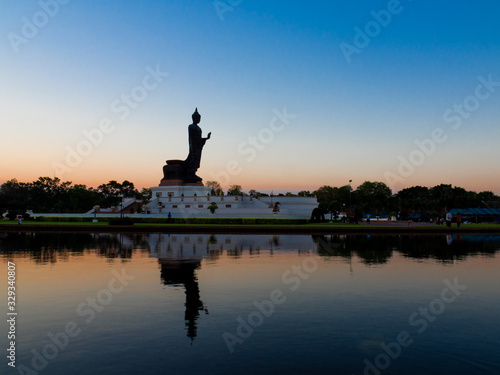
164 220
235 226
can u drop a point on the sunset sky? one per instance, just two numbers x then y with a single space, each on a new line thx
296 94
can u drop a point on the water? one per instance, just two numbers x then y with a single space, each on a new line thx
248 304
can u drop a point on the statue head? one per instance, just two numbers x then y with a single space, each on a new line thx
196 116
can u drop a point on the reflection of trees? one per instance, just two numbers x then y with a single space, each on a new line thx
115 246
437 247
235 253
121 245
43 247
177 272
254 252
51 247
371 249
275 241
378 249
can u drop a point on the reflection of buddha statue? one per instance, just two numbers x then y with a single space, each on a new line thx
179 272
196 143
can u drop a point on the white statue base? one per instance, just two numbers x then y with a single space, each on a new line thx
193 201
165 192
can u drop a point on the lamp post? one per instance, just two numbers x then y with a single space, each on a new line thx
121 206
350 189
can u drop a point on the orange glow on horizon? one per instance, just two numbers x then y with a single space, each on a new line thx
279 180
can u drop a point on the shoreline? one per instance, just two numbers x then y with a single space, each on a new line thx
323 229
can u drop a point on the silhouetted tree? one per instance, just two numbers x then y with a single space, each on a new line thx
111 192
325 195
305 193
216 188
373 196
234 190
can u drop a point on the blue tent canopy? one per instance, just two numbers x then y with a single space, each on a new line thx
476 211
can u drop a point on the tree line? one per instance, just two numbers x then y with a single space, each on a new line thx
377 198
53 195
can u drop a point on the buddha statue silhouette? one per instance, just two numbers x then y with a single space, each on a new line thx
196 143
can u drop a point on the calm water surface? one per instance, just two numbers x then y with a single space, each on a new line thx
253 304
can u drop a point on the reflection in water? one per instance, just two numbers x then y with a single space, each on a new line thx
43 247
375 249
48 247
180 256
178 273
328 325
371 249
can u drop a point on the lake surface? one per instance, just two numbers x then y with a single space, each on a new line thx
253 304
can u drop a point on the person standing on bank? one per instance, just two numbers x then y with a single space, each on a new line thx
448 219
459 219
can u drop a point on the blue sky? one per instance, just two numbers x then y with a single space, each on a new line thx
353 118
